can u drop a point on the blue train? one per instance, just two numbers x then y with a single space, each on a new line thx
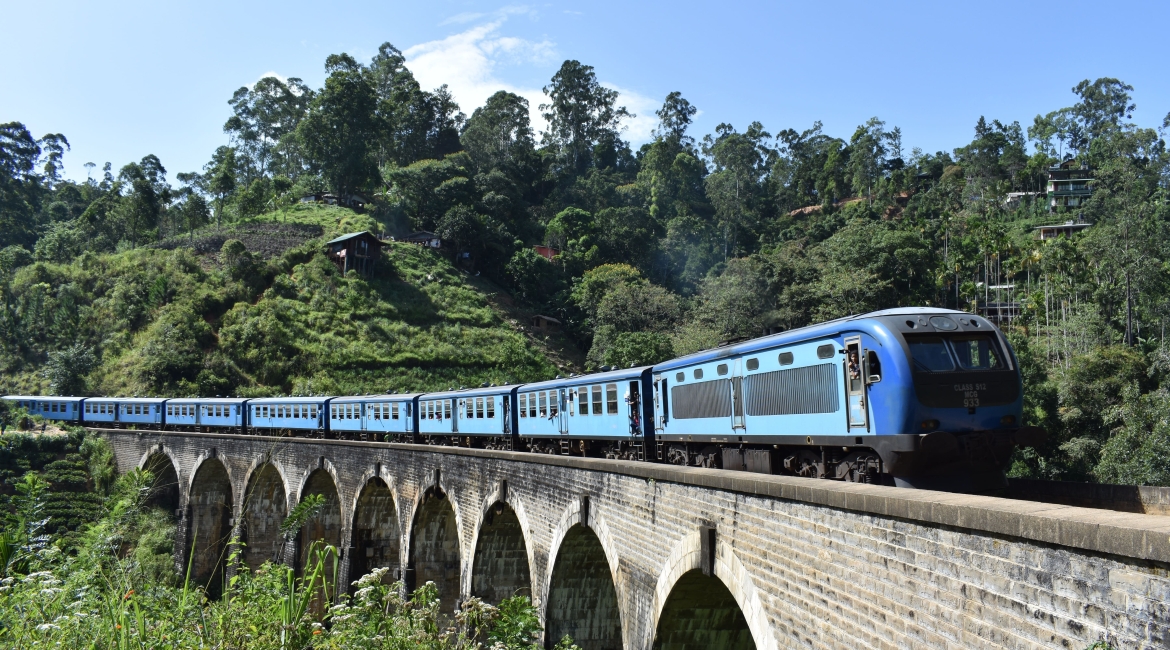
916 397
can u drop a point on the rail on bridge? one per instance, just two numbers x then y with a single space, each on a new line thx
635 555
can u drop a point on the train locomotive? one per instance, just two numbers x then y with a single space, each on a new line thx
914 397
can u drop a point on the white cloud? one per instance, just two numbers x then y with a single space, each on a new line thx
283 79
638 128
471 61
463 18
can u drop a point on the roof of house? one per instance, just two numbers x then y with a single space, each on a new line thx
349 236
548 318
421 234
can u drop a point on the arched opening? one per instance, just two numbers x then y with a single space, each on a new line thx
434 549
499 569
326 526
701 613
375 532
265 507
210 525
164 493
582 599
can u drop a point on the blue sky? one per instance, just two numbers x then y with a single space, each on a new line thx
135 78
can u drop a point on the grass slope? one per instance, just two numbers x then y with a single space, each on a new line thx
175 322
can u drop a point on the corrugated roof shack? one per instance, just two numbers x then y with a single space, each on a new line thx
356 251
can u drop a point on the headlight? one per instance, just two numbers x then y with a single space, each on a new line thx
1007 420
928 425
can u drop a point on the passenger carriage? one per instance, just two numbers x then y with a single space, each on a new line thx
63 409
125 411
213 413
479 417
275 415
372 417
596 414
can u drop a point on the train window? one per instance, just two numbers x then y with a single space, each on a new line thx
873 366
786 358
523 406
532 405
583 401
825 351
680 377
929 353
721 369
698 373
394 410
611 399
491 407
543 397
554 403
976 352
313 412
479 407
753 364
447 409
597 400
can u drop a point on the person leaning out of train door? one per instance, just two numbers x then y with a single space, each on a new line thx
854 365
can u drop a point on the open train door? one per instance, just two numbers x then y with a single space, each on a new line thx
855 384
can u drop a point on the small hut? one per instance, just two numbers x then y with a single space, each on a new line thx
546 323
357 251
424 238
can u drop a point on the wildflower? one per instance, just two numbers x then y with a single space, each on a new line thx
118 626
316 632
128 595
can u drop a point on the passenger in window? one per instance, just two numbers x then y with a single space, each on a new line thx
854 365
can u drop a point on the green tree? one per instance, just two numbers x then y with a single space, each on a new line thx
581 113
340 129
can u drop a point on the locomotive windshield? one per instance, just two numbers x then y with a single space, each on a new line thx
932 353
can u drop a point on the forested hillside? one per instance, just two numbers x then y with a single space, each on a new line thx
127 282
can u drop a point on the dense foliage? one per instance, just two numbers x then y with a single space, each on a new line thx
670 248
109 581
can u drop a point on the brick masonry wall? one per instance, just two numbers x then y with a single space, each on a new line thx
809 563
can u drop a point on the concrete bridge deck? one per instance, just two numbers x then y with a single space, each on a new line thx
637 555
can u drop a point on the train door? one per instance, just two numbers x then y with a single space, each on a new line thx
737 421
855 383
562 417
659 404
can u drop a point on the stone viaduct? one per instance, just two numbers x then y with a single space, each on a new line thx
639 556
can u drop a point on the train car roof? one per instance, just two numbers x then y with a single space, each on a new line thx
818 330
55 398
288 400
148 400
589 378
217 400
472 392
399 397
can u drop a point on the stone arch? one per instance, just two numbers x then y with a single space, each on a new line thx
326 526
434 548
375 538
500 566
263 507
209 523
729 586
167 491
582 599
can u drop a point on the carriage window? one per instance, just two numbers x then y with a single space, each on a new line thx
929 353
554 402
394 410
478 402
976 352
583 401
825 351
52 407
611 399
447 409
313 412
543 397
532 405
698 373
491 407
523 406
597 400
753 364
721 369
680 376
786 358
333 412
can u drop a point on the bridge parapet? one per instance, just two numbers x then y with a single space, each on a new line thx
621 553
